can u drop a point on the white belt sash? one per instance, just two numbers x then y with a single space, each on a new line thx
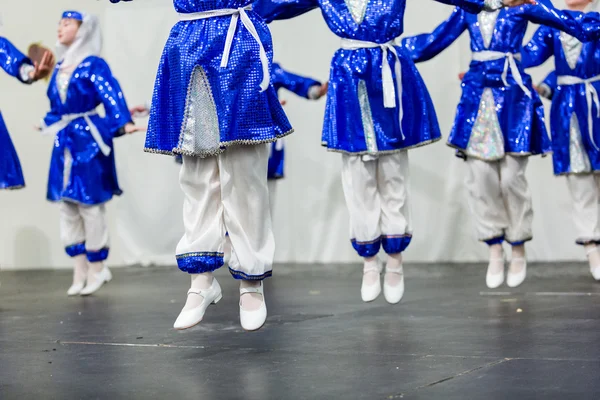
591 96
389 88
509 62
236 14
68 118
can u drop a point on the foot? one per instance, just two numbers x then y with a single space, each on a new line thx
495 272
80 272
197 302
253 309
371 283
517 271
96 280
393 285
593 256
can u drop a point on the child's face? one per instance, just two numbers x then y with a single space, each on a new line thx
67 31
577 4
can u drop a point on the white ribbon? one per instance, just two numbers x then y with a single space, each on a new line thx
389 88
591 96
488 55
68 118
236 14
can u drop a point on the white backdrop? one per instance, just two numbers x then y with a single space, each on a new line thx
311 223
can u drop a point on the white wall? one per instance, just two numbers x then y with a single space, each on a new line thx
311 220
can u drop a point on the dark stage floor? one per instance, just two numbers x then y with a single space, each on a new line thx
450 338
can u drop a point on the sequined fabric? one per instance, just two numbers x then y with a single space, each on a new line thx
487 25
571 48
11 175
578 157
568 101
245 115
367 117
357 9
62 82
521 118
92 178
486 141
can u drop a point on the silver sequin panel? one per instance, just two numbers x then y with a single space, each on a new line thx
580 163
358 9
487 140
63 79
572 48
367 117
487 25
200 133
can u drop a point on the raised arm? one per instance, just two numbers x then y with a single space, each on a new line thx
539 49
428 45
475 6
271 10
14 62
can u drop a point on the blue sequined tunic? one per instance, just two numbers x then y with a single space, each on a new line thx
11 175
82 168
300 85
573 150
200 107
356 117
497 114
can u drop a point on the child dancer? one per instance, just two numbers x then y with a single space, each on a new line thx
377 109
575 120
83 175
499 122
213 104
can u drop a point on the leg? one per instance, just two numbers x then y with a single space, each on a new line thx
586 215
272 183
247 216
517 198
73 236
359 180
394 191
200 250
491 219
96 244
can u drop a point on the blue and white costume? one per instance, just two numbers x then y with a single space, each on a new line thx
573 86
500 118
16 64
377 108
83 176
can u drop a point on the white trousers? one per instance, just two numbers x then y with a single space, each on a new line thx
378 199
585 193
84 230
227 193
500 199
272 183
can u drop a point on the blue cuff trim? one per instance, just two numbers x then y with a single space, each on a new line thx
97 256
75 249
367 249
239 275
393 244
493 241
198 263
519 242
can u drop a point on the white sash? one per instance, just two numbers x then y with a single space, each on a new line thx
509 62
65 120
591 96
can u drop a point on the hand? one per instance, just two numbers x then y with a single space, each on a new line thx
131 128
461 76
139 111
514 3
283 102
43 68
323 90
37 128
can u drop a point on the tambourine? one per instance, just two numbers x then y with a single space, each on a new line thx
36 52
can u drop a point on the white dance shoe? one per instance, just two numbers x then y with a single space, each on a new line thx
193 316
515 279
595 272
371 292
393 293
253 320
494 280
76 289
98 280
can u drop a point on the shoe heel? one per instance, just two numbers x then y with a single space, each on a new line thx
218 299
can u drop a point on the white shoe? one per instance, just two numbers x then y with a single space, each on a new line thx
253 320
371 292
514 280
595 270
99 279
192 317
494 280
393 294
76 289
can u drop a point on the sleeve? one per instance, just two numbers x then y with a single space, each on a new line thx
472 6
110 94
584 27
539 49
12 60
271 10
548 86
428 45
300 85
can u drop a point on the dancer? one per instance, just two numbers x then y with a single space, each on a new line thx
499 122
213 104
574 120
377 108
83 176
19 66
